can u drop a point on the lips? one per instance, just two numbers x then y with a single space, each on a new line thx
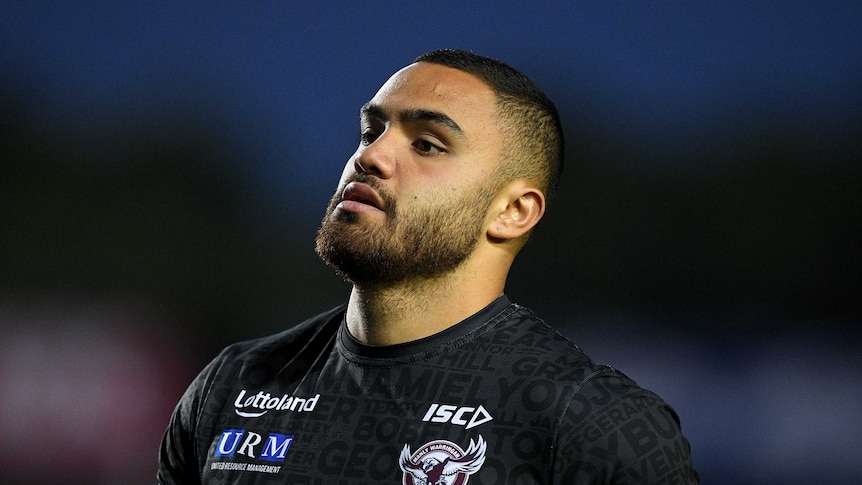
363 194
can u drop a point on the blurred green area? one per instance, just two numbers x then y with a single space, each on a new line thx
762 222
157 212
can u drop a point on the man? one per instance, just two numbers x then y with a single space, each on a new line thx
428 375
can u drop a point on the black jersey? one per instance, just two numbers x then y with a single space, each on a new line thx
498 398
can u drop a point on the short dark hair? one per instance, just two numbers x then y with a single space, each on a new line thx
535 143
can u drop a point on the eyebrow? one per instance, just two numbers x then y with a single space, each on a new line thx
414 116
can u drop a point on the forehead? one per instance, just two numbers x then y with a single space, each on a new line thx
457 94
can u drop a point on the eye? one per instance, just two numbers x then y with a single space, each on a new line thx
426 147
367 137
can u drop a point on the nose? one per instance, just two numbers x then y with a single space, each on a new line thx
377 158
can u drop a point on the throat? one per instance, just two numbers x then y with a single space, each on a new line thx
394 315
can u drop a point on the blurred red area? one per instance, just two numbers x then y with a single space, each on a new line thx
87 389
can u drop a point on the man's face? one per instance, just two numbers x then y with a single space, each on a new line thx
413 199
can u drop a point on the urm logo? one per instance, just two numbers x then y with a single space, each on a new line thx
466 416
240 441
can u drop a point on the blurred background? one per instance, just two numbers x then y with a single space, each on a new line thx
164 167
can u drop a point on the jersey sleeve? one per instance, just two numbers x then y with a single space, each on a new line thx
178 455
615 432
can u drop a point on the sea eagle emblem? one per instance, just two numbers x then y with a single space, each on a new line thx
441 463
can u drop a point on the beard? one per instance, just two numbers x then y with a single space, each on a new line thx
422 241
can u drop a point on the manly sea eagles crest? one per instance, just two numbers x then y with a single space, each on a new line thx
441 463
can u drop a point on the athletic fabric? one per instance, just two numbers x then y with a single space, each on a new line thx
498 398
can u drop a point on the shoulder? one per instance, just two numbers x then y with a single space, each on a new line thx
610 402
319 326
192 423
261 358
606 427
613 429
537 350
252 361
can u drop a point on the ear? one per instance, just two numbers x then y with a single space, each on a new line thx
517 209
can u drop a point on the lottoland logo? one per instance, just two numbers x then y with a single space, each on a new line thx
256 405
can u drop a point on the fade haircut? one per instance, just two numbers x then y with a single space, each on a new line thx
532 132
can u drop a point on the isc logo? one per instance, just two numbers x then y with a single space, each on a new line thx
247 443
461 416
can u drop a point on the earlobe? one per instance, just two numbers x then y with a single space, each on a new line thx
523 206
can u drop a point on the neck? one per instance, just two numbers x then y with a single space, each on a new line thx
398 313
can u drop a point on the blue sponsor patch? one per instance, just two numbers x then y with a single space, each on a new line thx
253 445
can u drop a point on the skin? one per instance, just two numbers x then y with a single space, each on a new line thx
431 134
